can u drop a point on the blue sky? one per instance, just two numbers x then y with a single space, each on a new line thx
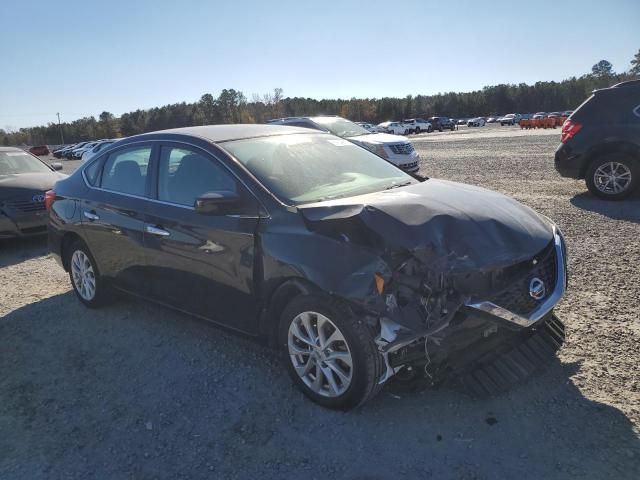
83 57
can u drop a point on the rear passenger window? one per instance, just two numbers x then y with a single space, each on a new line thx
91 172
186 175
125 171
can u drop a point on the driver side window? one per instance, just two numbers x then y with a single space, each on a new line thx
185 175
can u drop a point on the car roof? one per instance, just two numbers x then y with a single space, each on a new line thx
301 117
224 133
628 83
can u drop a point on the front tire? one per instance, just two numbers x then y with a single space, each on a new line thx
329 352
417 130
84 275
613 176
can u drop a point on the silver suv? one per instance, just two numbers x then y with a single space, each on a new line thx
394 148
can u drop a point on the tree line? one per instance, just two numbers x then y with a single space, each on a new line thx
231 106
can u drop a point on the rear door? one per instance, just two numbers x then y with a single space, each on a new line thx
113 213
202 264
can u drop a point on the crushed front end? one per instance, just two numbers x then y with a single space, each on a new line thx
448 325
462 274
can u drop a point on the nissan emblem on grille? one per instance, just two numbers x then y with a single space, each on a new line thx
537 290
39 198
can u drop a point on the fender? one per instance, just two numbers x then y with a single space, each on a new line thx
301 262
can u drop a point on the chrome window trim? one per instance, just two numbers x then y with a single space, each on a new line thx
163 202
636 111
542 310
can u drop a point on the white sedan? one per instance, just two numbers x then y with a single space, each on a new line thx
476 122
369 126
395 128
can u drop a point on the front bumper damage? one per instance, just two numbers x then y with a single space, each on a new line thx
466 335
457 273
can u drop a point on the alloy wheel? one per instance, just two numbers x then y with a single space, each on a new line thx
612 178
84 278
320 354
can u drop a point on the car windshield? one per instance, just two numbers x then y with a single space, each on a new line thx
307 168
12 163
341 127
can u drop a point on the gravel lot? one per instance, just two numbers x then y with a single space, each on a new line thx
137 391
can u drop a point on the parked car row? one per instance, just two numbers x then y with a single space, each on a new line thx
419 125
411 125
510 118
83 150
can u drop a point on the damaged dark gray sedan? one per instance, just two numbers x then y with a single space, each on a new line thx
354 269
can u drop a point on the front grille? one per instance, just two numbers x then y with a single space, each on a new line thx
402 148
516 297
26 206
407 166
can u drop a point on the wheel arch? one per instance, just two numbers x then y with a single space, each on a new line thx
611 147
277 301
68 239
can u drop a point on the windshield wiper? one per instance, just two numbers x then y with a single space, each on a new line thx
398 185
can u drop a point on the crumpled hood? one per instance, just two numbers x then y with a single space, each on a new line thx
451 227
379 138
13 185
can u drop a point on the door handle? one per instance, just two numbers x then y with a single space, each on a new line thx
91 216
156 231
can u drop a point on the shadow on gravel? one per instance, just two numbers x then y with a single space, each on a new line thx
628 210
136 391
17 250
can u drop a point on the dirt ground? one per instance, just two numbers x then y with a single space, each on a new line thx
137 391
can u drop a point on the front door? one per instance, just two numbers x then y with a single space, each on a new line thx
202 264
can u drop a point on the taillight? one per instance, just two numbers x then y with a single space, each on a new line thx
569 130
49 198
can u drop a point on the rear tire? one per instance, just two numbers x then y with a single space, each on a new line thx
85 277
307 357
613 176
417 130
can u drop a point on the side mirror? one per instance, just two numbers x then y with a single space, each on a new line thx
56 166
219 202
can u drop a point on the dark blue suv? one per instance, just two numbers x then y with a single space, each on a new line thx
601 142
